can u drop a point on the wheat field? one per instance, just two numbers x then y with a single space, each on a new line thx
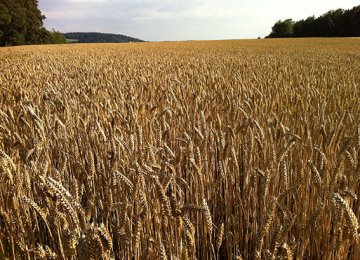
244 149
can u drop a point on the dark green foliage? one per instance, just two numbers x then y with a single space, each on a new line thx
92 37
335 23
5 18
12 25
283 29
57 37
21 22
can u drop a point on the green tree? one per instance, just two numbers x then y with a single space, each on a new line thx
34 30
305 28
326 25
57 37
13 28
283 29
21 22
5 18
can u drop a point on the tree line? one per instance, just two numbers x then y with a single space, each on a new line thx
21 22
94 37
335 23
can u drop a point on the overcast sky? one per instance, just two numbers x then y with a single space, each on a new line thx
159 20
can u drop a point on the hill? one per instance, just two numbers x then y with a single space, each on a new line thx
92 37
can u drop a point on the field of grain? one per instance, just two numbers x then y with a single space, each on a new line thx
207 150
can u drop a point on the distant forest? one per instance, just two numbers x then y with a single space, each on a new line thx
21 22
92 37
335 23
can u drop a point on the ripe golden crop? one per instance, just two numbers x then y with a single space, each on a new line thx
214 150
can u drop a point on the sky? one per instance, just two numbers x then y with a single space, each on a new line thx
174 20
